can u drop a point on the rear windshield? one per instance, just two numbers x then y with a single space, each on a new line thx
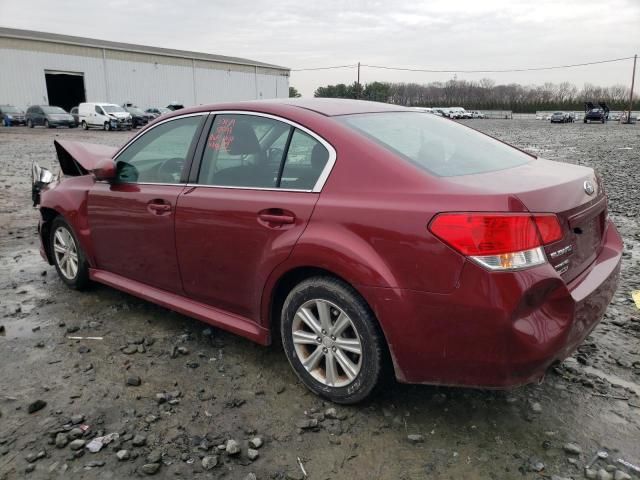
442 147
46 109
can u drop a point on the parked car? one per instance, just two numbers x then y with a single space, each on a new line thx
11 116
48 116
76 116
558 117
593 114
570 117
476 114
107 116
173 106
156 112
138 117
479 265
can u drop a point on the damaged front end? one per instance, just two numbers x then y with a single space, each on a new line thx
40 178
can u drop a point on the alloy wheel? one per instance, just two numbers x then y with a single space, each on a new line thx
327 343
66 253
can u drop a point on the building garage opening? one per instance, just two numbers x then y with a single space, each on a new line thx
65 89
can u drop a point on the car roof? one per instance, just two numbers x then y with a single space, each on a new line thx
325 106
99 103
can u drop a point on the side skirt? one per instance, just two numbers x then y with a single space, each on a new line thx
218 318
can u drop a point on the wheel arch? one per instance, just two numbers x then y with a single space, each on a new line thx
48 215
288 279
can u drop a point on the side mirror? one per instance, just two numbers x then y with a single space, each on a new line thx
105 170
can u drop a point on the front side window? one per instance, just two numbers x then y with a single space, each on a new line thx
259 152
159 155
99 110
441 147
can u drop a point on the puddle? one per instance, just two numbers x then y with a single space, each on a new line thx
614 379
21 328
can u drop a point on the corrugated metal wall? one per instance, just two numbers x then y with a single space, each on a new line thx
118 77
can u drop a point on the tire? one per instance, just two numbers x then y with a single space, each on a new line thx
107 126
62 235
353 380
46 124
30 123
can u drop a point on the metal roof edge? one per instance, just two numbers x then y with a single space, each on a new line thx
129 47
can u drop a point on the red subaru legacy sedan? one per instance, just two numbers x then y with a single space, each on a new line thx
362 236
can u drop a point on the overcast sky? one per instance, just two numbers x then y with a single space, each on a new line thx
438 34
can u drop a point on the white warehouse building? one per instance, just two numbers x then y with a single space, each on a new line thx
51 69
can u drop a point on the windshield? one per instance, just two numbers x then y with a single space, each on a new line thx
112 108
10 110
442 147
558 113
135 110
164 110
47 109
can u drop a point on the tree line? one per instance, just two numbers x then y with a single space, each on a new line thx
483 95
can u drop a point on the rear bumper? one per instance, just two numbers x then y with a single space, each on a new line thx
496 330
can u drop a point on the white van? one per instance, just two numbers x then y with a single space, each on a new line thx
107 116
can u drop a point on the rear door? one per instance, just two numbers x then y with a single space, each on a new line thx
132 219
250 200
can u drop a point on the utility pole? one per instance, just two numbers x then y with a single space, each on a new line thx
633 81
358 80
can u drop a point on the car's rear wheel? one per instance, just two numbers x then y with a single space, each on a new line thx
332 340
84 125
68 258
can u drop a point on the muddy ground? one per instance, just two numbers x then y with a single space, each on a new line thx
222 387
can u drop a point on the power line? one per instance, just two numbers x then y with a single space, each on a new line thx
323 68
506 70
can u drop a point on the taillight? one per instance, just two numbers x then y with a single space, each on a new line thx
498 241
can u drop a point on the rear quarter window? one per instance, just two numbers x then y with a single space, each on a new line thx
441 147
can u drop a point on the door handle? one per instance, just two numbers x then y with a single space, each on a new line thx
158 208
276 216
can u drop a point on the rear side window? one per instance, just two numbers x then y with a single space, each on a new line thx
439 146
306 158
259 152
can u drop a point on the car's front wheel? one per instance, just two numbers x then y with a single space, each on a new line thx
68 257
332 340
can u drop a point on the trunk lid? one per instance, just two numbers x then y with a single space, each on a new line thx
572 192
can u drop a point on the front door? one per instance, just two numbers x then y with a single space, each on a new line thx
132 218
252 202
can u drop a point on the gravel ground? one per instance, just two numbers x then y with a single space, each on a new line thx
197 402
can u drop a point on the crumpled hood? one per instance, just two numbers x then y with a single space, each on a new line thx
78 158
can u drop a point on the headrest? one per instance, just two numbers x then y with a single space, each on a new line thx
244 140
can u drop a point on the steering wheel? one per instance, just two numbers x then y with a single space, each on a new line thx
169 171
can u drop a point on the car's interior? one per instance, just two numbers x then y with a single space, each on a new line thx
250 155
243 151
